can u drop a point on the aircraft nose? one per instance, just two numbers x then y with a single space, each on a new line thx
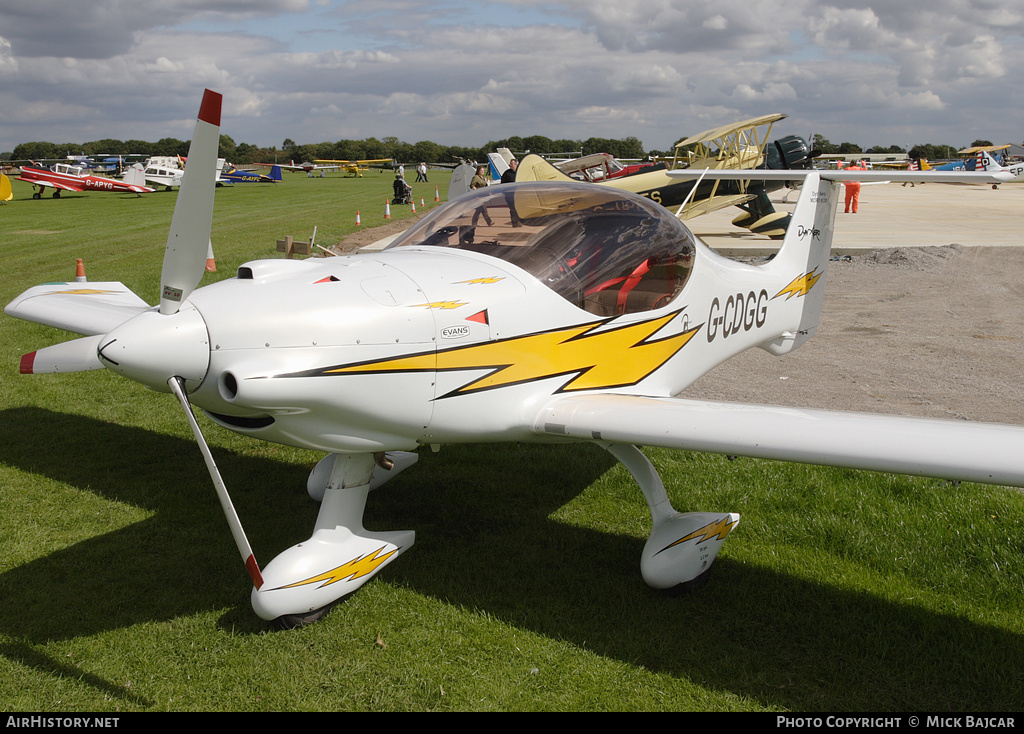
153 347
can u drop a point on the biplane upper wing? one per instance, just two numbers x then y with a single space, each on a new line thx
356 162
732 128
737 145
982 149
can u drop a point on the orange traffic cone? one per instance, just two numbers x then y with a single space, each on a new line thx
437 196
358 221
387 209
80 272
413 206
211 265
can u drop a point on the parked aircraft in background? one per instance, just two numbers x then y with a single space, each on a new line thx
983 161
293 166
599 167
168 171
980 159
68 177
235 175
353 167
498 162
357 167
739 145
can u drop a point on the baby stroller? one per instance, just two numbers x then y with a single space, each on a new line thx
403 192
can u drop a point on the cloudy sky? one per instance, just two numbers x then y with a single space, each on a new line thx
463 72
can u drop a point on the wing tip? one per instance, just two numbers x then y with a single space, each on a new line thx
27 363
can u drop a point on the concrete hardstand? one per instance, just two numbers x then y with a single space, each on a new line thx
891 215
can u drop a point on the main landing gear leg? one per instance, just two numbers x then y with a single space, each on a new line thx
304 582
682 546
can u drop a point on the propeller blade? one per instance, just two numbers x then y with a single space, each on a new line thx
78 355
189 237
177 386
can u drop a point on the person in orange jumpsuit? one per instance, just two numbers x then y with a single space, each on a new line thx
853 188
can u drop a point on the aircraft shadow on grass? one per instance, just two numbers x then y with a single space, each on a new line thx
751 631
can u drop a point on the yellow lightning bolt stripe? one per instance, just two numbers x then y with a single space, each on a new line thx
81 292
440 304
480 281
717 529
612 358
800 286
354 569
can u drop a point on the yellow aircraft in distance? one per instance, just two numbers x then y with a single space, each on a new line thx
354 167
739 145
982 149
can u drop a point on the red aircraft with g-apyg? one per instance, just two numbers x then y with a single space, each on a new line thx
67 177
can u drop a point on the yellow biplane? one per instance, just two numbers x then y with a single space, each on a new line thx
354 167
739 145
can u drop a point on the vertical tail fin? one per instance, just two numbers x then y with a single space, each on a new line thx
803 259
535 168
135 176
985 162
275 174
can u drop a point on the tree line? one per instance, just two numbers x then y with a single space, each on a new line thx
928 151
369 148
429 152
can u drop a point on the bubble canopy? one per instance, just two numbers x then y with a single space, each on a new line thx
604 250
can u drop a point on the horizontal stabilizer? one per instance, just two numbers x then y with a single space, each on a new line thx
957 450
73 356
82 308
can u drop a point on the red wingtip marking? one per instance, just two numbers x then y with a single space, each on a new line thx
27 361
480 317
209 111
254 571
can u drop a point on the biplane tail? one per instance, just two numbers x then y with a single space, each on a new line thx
534 168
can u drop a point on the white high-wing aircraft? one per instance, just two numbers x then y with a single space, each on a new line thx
985 162
538 312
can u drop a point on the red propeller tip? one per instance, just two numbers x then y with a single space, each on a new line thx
209 110
254 571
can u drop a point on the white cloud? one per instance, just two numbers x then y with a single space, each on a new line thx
458 72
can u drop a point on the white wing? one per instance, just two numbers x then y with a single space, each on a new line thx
960 450
82 308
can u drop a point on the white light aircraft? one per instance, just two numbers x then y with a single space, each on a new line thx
534 312
985 162
167 171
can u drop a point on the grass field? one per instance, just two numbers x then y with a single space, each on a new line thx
121 589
